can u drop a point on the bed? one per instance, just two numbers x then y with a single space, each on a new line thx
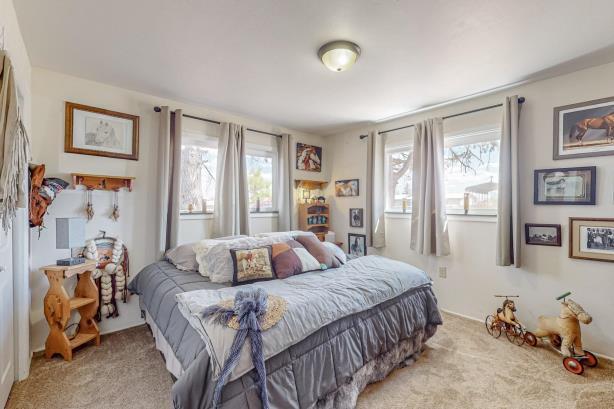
327 369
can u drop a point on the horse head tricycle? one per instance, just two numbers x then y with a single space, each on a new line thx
505 321
565 334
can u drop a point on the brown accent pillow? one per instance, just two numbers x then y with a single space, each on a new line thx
252 265
285 261
319 251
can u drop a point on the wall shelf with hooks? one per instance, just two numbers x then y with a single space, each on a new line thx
102 182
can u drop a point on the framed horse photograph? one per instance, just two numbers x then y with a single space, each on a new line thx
585 129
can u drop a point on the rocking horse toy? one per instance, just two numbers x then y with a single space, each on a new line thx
504 320
565 335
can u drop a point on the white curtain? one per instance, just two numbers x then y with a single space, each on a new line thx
374 217
284 186
169 176
429 224
508 220
231 213
14 147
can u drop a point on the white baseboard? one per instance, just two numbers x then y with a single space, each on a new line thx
602 356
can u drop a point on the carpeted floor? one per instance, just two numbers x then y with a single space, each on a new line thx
462 367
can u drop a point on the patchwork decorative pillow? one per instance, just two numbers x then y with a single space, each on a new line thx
252 265
308 262
336 251
319 251
285 261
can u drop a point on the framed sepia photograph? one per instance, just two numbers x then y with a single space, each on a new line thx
347 188
543 234
584 130
357 244
308 157
356 217
565 186
591 239
100 132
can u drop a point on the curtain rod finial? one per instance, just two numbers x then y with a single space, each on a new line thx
157 109
520 100
364 136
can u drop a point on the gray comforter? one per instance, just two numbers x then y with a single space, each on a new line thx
304 375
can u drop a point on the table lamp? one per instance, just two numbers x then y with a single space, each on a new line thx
69 234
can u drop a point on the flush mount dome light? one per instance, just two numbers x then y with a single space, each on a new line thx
339 55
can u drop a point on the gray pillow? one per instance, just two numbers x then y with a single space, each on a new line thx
184 258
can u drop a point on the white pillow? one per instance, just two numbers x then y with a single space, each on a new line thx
291 233
202 247
217 261
337 251
308 261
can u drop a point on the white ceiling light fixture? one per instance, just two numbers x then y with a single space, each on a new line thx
339 55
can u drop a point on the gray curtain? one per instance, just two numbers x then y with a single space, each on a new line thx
231 213
508 220
169 176
429 224
374 217
284 188
14 147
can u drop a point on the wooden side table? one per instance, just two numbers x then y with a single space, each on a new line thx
58 306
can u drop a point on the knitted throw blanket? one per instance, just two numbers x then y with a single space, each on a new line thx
250 307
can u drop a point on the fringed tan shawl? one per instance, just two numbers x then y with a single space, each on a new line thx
14 147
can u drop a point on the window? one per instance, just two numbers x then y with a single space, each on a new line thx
399 162
198 167
471 172
260 176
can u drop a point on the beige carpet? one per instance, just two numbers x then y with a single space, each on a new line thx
462 367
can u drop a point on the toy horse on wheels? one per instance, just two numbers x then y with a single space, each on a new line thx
565 335
504 320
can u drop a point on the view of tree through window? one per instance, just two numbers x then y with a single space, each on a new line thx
399 170
198 167
472 169
260 181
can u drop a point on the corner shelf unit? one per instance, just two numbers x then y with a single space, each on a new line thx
314 217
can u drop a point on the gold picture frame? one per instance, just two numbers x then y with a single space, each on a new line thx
591 239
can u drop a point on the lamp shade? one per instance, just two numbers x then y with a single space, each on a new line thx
339 55
69 232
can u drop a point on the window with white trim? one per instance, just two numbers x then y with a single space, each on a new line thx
398 178
198 168
261 177
471 161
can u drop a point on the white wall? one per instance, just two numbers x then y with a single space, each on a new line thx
138 220
546 272
12 41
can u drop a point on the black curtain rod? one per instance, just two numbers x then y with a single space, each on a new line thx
211 121
520 101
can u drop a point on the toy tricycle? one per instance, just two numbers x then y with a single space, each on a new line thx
505 321
565 335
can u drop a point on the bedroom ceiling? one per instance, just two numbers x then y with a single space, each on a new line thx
259 58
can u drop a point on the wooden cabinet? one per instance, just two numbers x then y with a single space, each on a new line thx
314 217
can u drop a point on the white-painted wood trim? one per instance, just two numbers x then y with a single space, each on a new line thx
21 295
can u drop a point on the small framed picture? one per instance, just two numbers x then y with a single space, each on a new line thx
356 218
543 234
100 132
347 187
357 244
584 130
591 239
565 186
308 157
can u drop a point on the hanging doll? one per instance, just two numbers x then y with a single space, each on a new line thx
111 272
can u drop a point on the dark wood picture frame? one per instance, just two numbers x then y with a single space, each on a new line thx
68 132
572 233
360 212
591 200
557 243
556 155
363 236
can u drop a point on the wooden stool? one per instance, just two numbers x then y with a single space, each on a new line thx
58 306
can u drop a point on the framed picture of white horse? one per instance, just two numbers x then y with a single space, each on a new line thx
591 239
100 132
585 129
